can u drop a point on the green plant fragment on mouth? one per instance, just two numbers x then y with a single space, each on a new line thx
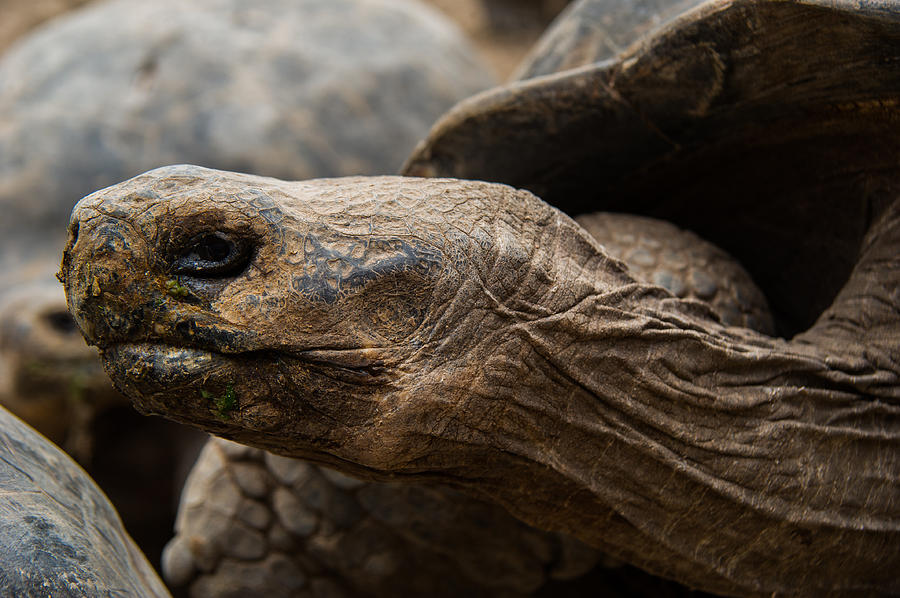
224 404
176 289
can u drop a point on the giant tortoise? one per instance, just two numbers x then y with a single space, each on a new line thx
468 333
209 552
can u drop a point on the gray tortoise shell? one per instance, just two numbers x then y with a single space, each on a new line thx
59 535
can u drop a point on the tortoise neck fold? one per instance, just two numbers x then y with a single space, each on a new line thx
860 330
717 455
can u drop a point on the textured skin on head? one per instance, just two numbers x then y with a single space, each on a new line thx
59 536
468 333
335 250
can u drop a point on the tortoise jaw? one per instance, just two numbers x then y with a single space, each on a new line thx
370 366
153 367
250 394
188 384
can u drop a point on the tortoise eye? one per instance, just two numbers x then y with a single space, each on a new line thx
213 255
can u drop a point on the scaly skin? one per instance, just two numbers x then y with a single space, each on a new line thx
252 523
467 333
684 264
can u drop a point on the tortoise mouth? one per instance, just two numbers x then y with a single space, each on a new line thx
157 366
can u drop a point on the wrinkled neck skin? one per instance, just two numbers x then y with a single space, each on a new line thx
734 462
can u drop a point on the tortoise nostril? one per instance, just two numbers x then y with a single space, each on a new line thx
61 321
73 233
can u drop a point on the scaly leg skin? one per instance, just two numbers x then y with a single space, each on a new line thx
252 523
662 254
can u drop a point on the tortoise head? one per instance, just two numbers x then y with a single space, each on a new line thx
348 314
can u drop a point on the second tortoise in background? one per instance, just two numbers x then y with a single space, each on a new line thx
280 88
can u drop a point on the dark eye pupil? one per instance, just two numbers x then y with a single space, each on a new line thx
213 254
212 248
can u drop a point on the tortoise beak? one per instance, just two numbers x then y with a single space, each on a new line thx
92 260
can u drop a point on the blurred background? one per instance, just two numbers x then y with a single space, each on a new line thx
501 30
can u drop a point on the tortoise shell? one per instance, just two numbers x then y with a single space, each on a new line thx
768 128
